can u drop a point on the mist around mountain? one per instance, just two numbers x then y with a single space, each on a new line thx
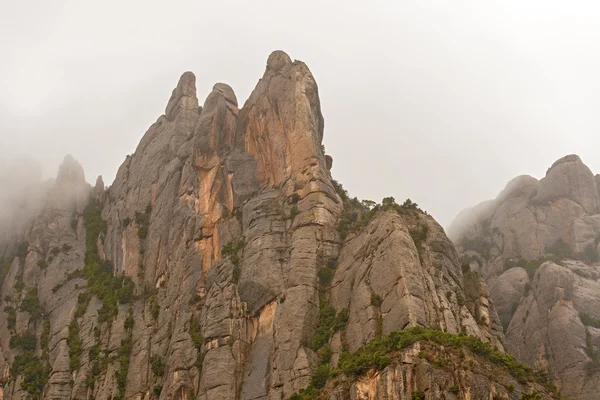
537 246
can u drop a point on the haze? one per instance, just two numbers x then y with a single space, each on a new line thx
442 102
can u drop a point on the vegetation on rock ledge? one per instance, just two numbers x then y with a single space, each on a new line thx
378 354
329 323
35 373
111 290
357 214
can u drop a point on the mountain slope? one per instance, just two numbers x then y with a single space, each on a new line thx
224 262
537 246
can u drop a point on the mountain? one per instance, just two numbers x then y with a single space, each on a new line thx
536 245
224 262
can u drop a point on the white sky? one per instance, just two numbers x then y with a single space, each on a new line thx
442 102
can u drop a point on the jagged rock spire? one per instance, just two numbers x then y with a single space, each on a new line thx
183 96
282 122
570 178
70 172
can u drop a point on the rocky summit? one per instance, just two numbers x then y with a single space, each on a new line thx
536 245
224 262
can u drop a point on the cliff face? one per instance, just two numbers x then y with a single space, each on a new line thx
537 246
223 263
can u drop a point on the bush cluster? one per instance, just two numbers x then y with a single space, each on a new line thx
154 307
339 189
467 260
357 214
374 354
99 363
329 323
294 198
418 395
45 338
75 345
4 268
589 321
531 266
419 234
11 317
74 221
22 250
143 221
196 333
31 304
231 250
19 283
531 396
128 323
376 300
111 290
25 341
35 373
354 216
325 273
556 252
294 211
408 207
123 355
560 249
481 245
589 254
377 355
157 365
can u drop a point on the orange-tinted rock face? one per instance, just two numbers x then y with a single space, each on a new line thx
283 125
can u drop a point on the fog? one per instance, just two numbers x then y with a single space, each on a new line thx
442 102
22 196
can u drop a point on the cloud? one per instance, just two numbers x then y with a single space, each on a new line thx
442 102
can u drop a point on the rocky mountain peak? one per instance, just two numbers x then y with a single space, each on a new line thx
277 60
569 158
571 179
224 262
537 245
283 125
70 189
99 186
183 96
519 186
227 92
70 172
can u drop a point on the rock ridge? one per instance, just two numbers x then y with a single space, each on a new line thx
537 246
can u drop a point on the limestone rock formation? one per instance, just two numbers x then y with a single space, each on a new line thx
429 371
537 246
224 262
416 282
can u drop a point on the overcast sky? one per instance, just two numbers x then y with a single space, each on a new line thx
442 102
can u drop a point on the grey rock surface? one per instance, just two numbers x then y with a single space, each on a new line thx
537 246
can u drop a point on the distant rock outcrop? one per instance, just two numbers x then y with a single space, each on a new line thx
537 246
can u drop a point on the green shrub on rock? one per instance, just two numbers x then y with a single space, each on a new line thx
25 341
